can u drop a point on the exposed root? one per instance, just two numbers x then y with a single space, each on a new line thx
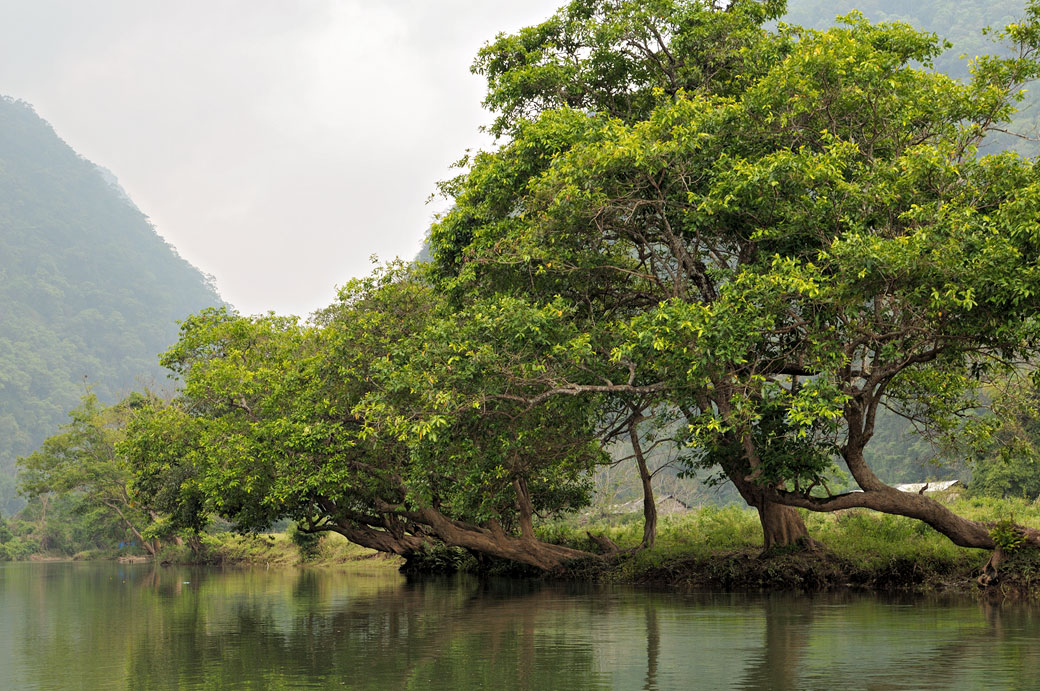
605 544
990 574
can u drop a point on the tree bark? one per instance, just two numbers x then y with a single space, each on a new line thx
413 529
649 503
496 543
781 525
961 531
380 540
524 508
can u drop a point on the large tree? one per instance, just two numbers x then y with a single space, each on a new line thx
776 257
563 84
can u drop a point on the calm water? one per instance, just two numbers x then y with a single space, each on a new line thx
92 626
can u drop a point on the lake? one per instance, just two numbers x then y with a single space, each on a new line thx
107 625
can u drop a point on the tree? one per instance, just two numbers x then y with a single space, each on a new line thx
340 425
164 475
782 256
564 84
82 461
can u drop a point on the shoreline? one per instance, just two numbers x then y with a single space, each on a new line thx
807 572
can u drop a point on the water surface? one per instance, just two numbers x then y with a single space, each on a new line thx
104 626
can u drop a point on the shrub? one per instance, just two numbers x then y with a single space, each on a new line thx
309 544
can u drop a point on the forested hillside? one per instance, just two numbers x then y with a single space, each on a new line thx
89 292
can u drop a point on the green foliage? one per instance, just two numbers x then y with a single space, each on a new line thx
439 558
90 290
961 23
309 544
383 410
1007 534
19 549
78 482
773 253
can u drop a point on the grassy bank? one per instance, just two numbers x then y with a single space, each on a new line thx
715 548
272 549
721 548
277 549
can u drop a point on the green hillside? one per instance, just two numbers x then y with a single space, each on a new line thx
89 292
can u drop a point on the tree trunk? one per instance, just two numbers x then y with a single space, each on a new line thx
496 543
415 529
781 525
649 504
524 508
152 547
381 540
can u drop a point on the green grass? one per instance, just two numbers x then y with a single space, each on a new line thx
275 549
861 547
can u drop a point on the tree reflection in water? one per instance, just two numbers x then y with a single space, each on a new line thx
106 626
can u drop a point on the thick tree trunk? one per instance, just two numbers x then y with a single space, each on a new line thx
781 525
962 531
403 532
381 540
493 541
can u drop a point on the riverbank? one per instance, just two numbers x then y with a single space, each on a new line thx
709 548
231 549
720 549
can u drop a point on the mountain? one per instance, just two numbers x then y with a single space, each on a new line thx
89 292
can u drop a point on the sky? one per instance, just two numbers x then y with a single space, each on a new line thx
277 145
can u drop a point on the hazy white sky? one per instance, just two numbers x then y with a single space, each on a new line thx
276 144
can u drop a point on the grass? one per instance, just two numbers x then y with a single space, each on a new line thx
275 549
723 547
710 547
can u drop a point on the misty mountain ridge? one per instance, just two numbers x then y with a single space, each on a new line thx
90 293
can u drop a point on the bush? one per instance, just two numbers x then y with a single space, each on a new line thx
439 558
20 548
308 543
